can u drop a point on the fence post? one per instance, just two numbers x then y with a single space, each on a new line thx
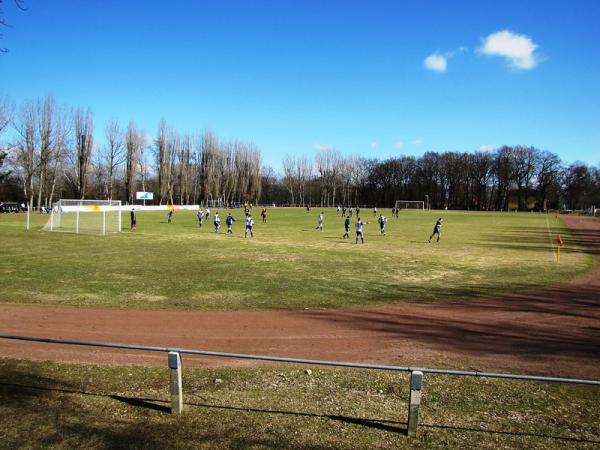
416 382
176 383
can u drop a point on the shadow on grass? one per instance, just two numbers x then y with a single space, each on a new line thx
379 424
148 403
508 433
22 396
544 239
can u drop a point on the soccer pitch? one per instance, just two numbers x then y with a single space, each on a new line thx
288 264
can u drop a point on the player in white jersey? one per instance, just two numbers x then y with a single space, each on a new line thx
217 222
249 227
320 222
359 230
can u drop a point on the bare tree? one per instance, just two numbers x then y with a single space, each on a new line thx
83 126
113 155
59 153
548 177
27 148
133 145
47 134
163 161
7 112
290 175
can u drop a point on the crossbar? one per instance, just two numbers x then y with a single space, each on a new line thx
306 361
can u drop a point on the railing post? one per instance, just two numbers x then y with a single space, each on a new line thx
416 382
176 383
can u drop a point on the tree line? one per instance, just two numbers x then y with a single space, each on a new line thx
53 154
510 177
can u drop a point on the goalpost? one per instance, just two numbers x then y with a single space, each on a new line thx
410 204
85 217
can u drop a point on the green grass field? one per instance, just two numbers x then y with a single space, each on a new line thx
47 405
288 264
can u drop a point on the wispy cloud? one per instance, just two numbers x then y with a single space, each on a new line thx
399 145
436 62
417 142
318 147
374 144
518 49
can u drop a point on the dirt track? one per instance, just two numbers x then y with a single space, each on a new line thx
551 331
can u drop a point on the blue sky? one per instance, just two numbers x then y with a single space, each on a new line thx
293 76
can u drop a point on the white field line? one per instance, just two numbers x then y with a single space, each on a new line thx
550 238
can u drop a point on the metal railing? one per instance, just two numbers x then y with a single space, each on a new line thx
416 379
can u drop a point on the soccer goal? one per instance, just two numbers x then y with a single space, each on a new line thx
410 204
85 216
218 203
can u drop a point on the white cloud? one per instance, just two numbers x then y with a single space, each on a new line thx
399 145
322 147
417 142
374 144
518 49
436 62
486 148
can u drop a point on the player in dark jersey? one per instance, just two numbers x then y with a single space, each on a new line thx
437 229
347 228
229 222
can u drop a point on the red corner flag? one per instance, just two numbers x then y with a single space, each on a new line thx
559 241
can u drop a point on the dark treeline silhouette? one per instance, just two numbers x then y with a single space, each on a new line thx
519 177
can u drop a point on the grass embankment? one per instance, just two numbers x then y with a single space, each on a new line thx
287 265
66 406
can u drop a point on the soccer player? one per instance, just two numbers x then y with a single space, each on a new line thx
320 222
263 214
249 227
347 228
217 222
229 221
382 221
200 217
351 211
437 229
357 211
207 213
374 211
133 220
344 211
359 230
170 216
337 211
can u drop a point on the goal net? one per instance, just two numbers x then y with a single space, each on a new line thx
410 204
85 216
